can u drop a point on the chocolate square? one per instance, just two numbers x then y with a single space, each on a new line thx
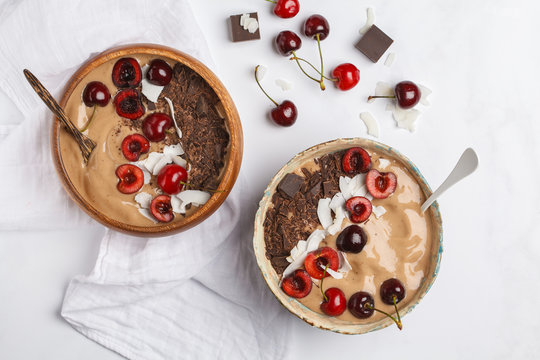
374 43
238 32
290 184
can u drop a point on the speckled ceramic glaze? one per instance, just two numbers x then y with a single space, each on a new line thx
272 278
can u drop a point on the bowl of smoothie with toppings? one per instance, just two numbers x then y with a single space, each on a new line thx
169 140
340 238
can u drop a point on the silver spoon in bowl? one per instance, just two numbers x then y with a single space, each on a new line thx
466 165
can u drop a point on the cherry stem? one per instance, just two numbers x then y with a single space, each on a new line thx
188 185
258 83
314 68
301 68
381 97
322 65
398 322
272 1
323 275
89 120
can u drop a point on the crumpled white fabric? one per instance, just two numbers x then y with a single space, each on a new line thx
197 294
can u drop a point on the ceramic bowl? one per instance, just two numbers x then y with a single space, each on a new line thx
232 166
271 277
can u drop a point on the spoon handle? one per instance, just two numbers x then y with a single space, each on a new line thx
467 163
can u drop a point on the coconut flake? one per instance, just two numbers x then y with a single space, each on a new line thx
165 159
370 20
150 90
179 161
151 161
144 199
146 174
313 242
324 213
176 204
284 84
337 201
172 150
390 59
424 93
357 186
338 220
383 163
344 186
196 197
344 265
147 214
378 211
332 273
405 119
252 25
243 19
260 72
371 123
383 89
171 106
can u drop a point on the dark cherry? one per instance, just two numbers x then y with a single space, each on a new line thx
126 73
159 73
161 208
352 239
96 93
392 289
334 302
316 24
361 305
287 42
286 8
407 94
347 76
171 178
284 114
154 126
298 284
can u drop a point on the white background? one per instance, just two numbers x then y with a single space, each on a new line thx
482 61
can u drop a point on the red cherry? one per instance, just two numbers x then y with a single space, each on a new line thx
287 42
407 94
285 114
126 73
161 208
154 126
317 260
356 160
335 302
316 24
171 178
359 207
96 93
134 145
130 178
159 73
128 104
286 8
380 184
347 76
298 284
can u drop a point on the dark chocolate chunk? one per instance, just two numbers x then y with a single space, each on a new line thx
374 43
290 184
327 188
151 106
237 31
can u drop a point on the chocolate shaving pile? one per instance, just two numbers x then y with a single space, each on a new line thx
293 214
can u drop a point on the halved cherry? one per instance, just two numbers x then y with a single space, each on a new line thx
359 207
356 160
161 208
134 145
126 73
130 178
381 184
128 104
298 284
317 260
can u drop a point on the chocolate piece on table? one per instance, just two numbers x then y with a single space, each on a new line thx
290 184
238 31
374 43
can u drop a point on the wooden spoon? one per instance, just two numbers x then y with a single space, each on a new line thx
85 143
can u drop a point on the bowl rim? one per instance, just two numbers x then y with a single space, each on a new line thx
232 118
294 306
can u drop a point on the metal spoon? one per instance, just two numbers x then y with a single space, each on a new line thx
467 163
85 143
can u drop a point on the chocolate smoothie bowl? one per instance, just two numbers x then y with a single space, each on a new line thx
340 238
169 140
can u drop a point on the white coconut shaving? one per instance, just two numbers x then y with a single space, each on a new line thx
344 265
171 107
195 197
371 124
390 59
176 204
370 20
338 221
424 93
144 200
179 161
147 214
405 119
285 85
332 273
337 201
297 250
248 23
151 161
260 72
324 213
163 161
378 211
175 149
313 242
383 163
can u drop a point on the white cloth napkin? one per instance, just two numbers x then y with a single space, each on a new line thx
198 294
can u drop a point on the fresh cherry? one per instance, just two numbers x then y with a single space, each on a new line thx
298 284
347 76
317 260
161 208
96 93
154 126
287 42
286 9
126 73
134 145
406 93
284 114
392 291
352 239
381 184
356 160
359 207
334 302
316 26
361 305
159 73
130 178
128 104
172 178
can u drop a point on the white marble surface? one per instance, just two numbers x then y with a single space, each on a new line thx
482 61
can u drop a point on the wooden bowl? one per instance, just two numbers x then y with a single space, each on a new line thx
271 277
232 166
